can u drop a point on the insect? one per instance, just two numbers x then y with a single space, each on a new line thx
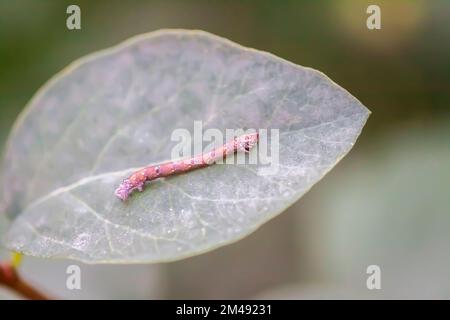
138 179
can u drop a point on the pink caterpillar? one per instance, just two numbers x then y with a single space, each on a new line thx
137 179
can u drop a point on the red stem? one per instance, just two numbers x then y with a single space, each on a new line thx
11 279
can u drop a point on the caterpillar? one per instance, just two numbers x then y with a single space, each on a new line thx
138 179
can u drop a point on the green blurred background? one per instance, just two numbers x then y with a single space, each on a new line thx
387 203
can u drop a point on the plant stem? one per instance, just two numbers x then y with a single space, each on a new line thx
10 278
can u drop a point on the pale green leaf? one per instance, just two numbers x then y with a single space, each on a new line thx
114 111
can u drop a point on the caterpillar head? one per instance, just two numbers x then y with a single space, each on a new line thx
247 142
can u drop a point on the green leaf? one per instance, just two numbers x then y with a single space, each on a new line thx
114 111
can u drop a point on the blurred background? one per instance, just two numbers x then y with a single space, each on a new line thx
387 203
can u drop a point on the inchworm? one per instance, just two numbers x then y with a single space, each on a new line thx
138 179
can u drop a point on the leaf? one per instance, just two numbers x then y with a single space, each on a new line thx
114 111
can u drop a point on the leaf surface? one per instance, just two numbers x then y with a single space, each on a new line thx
113 112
